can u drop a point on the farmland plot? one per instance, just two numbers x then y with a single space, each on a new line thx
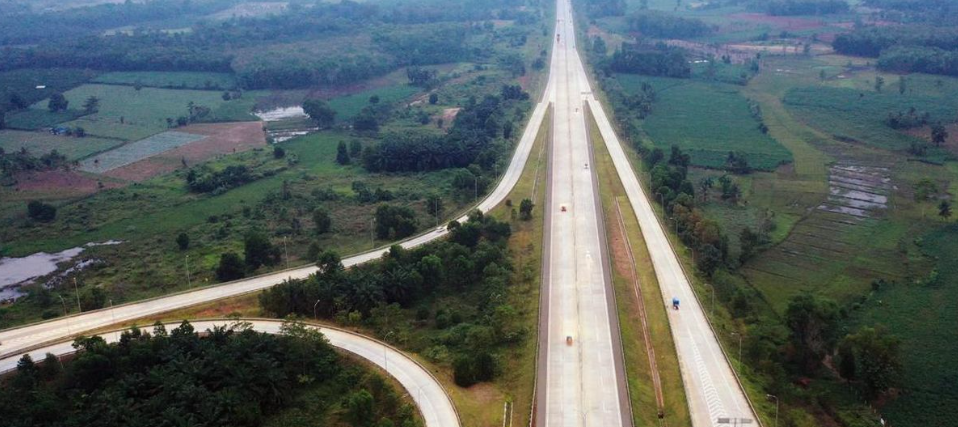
137 151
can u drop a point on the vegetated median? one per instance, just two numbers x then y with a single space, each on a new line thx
638 301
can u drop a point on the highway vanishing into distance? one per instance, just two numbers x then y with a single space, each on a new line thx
433 401
581 379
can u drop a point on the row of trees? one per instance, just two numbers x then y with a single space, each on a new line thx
801 7
232 377
473 264
659 60
666 26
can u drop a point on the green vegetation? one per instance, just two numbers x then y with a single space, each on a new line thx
732 126
130 114
20 87
169 79
638 300
861 117
347 107
920 314
38 143
235 377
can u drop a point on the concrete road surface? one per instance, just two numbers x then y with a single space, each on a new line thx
583 381
433 402
16 340
712 389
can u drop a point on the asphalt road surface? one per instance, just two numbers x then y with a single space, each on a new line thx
583 381
433 402
712 389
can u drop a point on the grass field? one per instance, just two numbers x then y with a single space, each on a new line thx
706 120
169 79
925 317
39 143
36 118
25 82
144 112
858 116
349 106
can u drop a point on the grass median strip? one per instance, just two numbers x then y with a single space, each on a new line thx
635 294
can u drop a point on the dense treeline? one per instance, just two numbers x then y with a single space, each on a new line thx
658 60
801 7
929 60
913 48
871 41
25 27
404 34
943 13
473 264
474 138
601 8
666 26
232 377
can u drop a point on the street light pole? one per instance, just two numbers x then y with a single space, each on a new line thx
739 351
286 249
712 309
189 281
64 302
772 396
314 310
77 290
113 316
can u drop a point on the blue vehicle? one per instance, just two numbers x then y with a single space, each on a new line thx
675 303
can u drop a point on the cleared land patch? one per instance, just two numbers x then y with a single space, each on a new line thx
136 151
217 139
706 120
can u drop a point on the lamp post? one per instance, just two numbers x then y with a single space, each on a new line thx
772 396
64 302
739 350
189 281
286 250
712 308
77 291
314 310
113 316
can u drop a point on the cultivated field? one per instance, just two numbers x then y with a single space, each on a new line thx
216 139
677 120
40 143
136 151
128 114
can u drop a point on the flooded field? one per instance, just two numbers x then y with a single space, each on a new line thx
16 272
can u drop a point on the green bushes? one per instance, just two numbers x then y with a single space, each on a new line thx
473 266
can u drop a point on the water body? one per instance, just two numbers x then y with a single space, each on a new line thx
285 123
16 272
281 113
